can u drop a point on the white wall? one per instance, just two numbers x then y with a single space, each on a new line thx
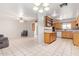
9 26
67 12
13 28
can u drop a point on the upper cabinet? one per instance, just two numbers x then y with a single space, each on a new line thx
75 23
58 25
48 21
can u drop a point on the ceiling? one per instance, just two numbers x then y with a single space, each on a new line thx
14 9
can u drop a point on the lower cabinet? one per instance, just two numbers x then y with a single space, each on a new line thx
76 38
67 34
49 37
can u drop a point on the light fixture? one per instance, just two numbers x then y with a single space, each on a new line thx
45 4
35 8
41 7
41 11
46 8
20 19
37 4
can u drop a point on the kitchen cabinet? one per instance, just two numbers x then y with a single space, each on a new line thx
48 21
73 24
49 37
57 25
76 38
67 34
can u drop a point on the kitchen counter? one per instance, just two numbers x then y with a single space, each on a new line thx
67 34
50 36
74 35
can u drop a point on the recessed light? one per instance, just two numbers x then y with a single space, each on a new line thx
35 8
46 8
41 10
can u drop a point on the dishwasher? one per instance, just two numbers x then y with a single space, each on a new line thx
58 34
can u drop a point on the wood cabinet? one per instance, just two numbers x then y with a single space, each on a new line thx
67 34
76 38
73 24
77 23
49 37
48 21
57 25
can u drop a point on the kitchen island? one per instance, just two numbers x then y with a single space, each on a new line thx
49 37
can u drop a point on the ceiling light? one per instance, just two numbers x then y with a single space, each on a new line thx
45 4
21 21
46 8
37 4
35 8
41 10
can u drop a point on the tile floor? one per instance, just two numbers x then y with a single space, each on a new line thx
30 47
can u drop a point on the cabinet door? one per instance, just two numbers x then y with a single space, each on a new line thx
64 34
73 24
69 34
51 38
58 25
76 39
46 37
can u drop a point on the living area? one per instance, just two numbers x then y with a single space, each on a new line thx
14 25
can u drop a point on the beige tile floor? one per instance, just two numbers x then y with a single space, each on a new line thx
30 47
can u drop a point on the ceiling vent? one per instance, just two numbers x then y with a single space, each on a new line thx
63 4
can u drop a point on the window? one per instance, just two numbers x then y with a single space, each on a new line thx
66 26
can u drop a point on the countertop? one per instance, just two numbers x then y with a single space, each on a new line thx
49 32
49 29
67 30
